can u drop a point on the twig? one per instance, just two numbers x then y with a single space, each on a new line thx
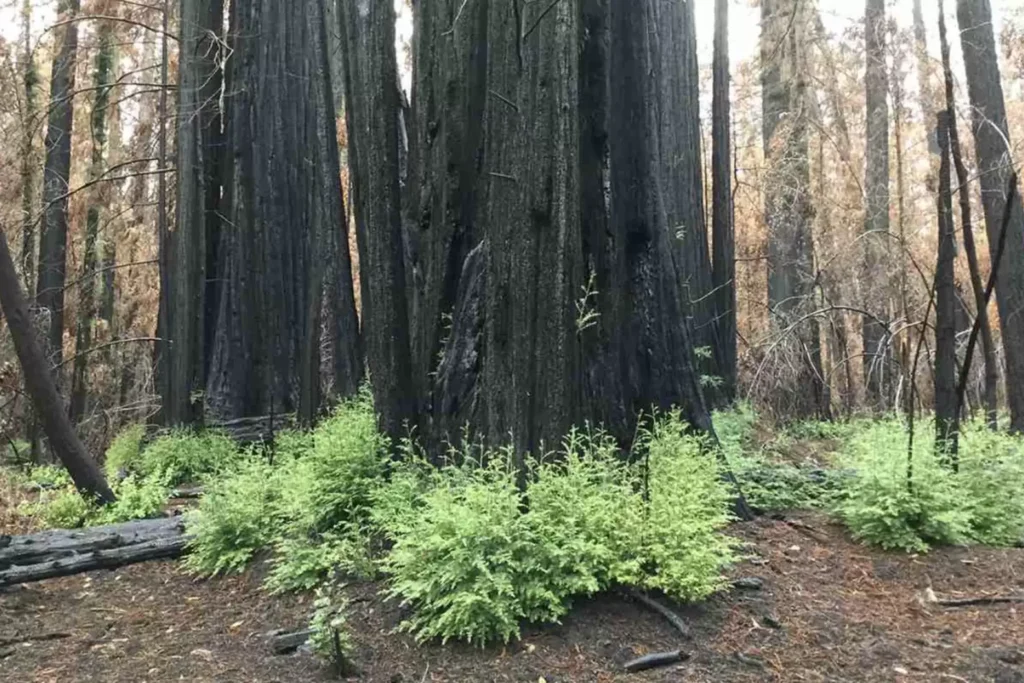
983 600
34 639
655 660
539 19
652 604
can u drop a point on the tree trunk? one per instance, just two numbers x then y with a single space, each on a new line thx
679 139
192 274
875 241
282 194
102 79
40 385
53 241
946 417
28 157
722 213
372 110
992 147
791 278
987 344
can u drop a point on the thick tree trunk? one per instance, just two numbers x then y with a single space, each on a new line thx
102 79
283 195
36 370
946 417
791 279
679 139
875 241
988 350
722 213
372 110
57 170
992 147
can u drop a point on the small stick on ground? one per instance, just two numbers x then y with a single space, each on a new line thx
985 600
33 639
652 604
655 660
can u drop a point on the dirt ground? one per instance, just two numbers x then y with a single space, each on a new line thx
829 610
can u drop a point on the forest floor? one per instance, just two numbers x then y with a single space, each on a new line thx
829 610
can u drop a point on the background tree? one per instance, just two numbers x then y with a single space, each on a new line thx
992 148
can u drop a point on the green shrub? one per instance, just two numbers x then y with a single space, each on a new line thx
329 620
301 564
137 498
991 483
234 520
62 508
587 508
50 477
683 545
185 456
879 506
468 563
123 454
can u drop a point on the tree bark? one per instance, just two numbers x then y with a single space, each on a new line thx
102 79
157 549
28 159
282 194
875 241
62 544
791 277
722 211
679 140
372 110
57 170
992 148
35 368
946 417
987 344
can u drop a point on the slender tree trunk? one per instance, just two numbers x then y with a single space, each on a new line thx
35 367
191 271
57 170
876 216
722 211
102 79
162 352
946 418
372 109
992 147
987 344
28 158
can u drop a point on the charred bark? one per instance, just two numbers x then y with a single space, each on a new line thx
723 279
946 418
57 170
35 368
372 111
991 388
992 147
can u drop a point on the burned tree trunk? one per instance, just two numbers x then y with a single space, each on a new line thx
875 241
992 147
723 279
192 274
946 417
987 344
56 172
28 158
36 370
791 279
372 110
677 106
283 197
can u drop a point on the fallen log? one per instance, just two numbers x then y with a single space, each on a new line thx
156 549
286 643
57 544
